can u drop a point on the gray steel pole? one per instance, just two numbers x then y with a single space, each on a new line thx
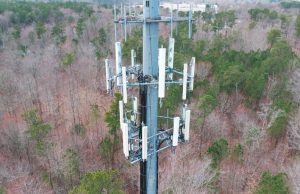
150 68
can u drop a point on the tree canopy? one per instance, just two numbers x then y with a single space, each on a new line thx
37 130
297 26
274 184
100 181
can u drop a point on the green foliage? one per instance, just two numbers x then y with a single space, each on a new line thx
273 36
207 103
297 26
112 117
224 19
106 149
252 25
179 60
284 102
58 33
218 46
24 13
232 77
23 49
218 150
219 21
199 49
258 14
173 96
100 44
15 144
247 72
37 130
290 4
252 135
284 21
40 29
282 98
255 84
272 184
1 42
280 56
45 176
95 112
68 59
71 166
31 37
108 144
16 33
183 43
79 129
100 181
278 127
238 152
80 26
134 41
2 190
70 19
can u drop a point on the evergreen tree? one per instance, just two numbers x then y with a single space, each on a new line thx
40 29
100 181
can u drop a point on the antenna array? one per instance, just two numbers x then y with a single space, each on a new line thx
132 143
142 140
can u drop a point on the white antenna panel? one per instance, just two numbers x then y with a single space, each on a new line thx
132 58
125 140
118 61
124 80
184 86
133 55
175 131
121 112
192 73
107 73
162 72
171 56
187 125
144 142
183 111
135 105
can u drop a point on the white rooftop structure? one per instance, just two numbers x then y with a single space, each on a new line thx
185 7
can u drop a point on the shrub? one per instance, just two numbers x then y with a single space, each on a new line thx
273 36
37 130
272 184
68 59
218 150
58 33
238 152
100 181
80 26
255 84
40 29
24 13
79 129
208 103
71 166
16 33
106 149
278 127
258 14
290 4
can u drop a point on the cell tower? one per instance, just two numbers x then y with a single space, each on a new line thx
142 139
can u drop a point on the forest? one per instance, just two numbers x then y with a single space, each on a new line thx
60 130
